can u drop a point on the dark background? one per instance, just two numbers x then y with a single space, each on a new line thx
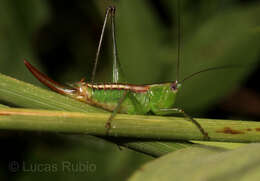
61 38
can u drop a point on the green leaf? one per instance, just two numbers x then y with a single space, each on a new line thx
3 106
204 163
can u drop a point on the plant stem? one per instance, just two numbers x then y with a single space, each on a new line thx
135 126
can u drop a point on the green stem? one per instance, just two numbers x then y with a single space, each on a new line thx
129 126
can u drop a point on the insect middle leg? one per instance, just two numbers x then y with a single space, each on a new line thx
134 101
115 111
188 117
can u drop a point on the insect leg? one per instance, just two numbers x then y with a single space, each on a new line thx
138 107
115 111
108 11
177 110
127 94
118 74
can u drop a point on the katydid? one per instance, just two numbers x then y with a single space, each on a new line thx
117 97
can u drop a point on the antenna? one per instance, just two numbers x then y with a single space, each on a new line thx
179 24
209 69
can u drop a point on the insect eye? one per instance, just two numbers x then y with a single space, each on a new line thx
174 86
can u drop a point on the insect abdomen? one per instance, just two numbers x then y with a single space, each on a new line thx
110 98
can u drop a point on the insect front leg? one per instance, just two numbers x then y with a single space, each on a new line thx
180 111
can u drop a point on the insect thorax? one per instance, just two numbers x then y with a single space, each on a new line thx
162 96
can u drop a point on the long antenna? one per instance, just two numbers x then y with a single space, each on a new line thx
99 45
209 69
179 24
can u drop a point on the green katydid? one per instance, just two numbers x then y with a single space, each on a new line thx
117 97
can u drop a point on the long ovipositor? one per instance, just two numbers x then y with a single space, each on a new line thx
147 98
